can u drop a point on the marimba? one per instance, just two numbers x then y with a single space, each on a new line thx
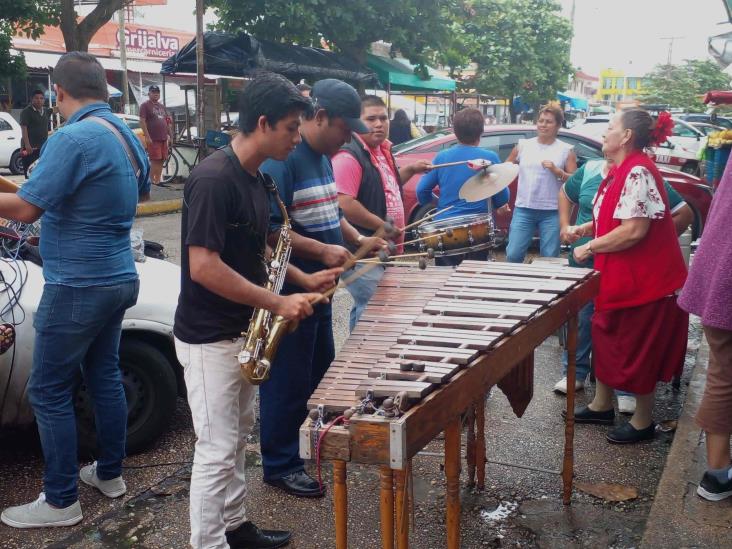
427 349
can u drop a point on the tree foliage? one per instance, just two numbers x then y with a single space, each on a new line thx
25 17
78 34
410 26
520 47
684 85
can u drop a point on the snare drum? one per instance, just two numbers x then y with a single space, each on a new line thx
458 235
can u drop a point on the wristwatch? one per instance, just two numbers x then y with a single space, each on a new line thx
589 248
360 238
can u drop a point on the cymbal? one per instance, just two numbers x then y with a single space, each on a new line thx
488 182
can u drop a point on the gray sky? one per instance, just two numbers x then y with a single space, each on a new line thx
623 34
627 34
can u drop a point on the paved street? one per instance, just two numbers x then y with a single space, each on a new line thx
518 508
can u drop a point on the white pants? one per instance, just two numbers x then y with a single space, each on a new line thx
222 406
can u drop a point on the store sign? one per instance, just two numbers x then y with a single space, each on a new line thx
150 43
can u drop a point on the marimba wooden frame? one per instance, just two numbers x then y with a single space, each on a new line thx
392 443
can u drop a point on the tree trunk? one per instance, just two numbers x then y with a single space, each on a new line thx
78 34
357 52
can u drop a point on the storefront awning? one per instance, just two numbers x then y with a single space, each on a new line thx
398 74
43 60
578 103
241 55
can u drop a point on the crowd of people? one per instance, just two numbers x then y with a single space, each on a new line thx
324 153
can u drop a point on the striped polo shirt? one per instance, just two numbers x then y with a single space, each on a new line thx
307 187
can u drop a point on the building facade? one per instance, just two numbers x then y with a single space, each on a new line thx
615 86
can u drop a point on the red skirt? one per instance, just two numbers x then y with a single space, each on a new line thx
637 347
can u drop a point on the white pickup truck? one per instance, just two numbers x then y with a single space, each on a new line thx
151 375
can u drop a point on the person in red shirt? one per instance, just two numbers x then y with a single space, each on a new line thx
639 333
157 126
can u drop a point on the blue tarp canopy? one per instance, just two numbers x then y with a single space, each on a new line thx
579 103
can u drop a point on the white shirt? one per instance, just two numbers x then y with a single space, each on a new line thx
538 188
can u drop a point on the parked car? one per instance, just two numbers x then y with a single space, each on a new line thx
11 143
726 123
502 139
151 374
133 122
705 128
680 152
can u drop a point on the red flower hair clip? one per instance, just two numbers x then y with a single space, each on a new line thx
664 128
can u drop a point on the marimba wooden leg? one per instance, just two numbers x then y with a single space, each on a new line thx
452 474
568 465
471 453
387 507
480 442
402 509
340 502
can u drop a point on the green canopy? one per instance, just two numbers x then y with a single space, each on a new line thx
398 74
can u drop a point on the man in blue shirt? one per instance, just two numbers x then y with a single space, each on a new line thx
85 190
468 126
307 187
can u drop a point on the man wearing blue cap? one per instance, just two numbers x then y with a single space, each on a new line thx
307 187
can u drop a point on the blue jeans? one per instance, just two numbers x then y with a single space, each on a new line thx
362 289
78 332
523 226
584 343
301 362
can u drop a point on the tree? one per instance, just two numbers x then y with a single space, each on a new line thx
78 34
21 16
410 26
683 85
521 49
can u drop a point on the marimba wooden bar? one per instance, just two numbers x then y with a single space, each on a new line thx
437 341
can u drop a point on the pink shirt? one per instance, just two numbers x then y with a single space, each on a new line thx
348 175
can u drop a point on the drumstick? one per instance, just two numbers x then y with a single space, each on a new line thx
7 186
426 218
415 240
478 163
343 283
390 258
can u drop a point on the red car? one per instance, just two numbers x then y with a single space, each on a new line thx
502 139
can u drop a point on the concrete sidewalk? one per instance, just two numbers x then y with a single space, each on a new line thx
679 517
163 200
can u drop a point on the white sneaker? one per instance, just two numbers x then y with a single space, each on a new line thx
626 404
112 488
561 385
39 514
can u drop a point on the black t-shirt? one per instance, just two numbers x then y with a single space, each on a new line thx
225 209
37 124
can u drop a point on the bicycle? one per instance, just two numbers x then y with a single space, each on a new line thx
172 162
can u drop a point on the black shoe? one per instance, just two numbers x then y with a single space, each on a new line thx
248 536
627 434
299 484
711 489
585 415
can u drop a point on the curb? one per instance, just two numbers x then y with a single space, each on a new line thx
678 517
157 207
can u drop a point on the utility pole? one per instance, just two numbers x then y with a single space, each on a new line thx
123 61
199 68
671 40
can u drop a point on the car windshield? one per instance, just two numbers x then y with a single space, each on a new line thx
413 143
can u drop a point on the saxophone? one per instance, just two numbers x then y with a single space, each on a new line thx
265 328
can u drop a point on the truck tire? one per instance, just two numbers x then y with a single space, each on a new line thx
151 391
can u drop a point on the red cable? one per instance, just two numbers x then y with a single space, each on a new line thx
321 436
